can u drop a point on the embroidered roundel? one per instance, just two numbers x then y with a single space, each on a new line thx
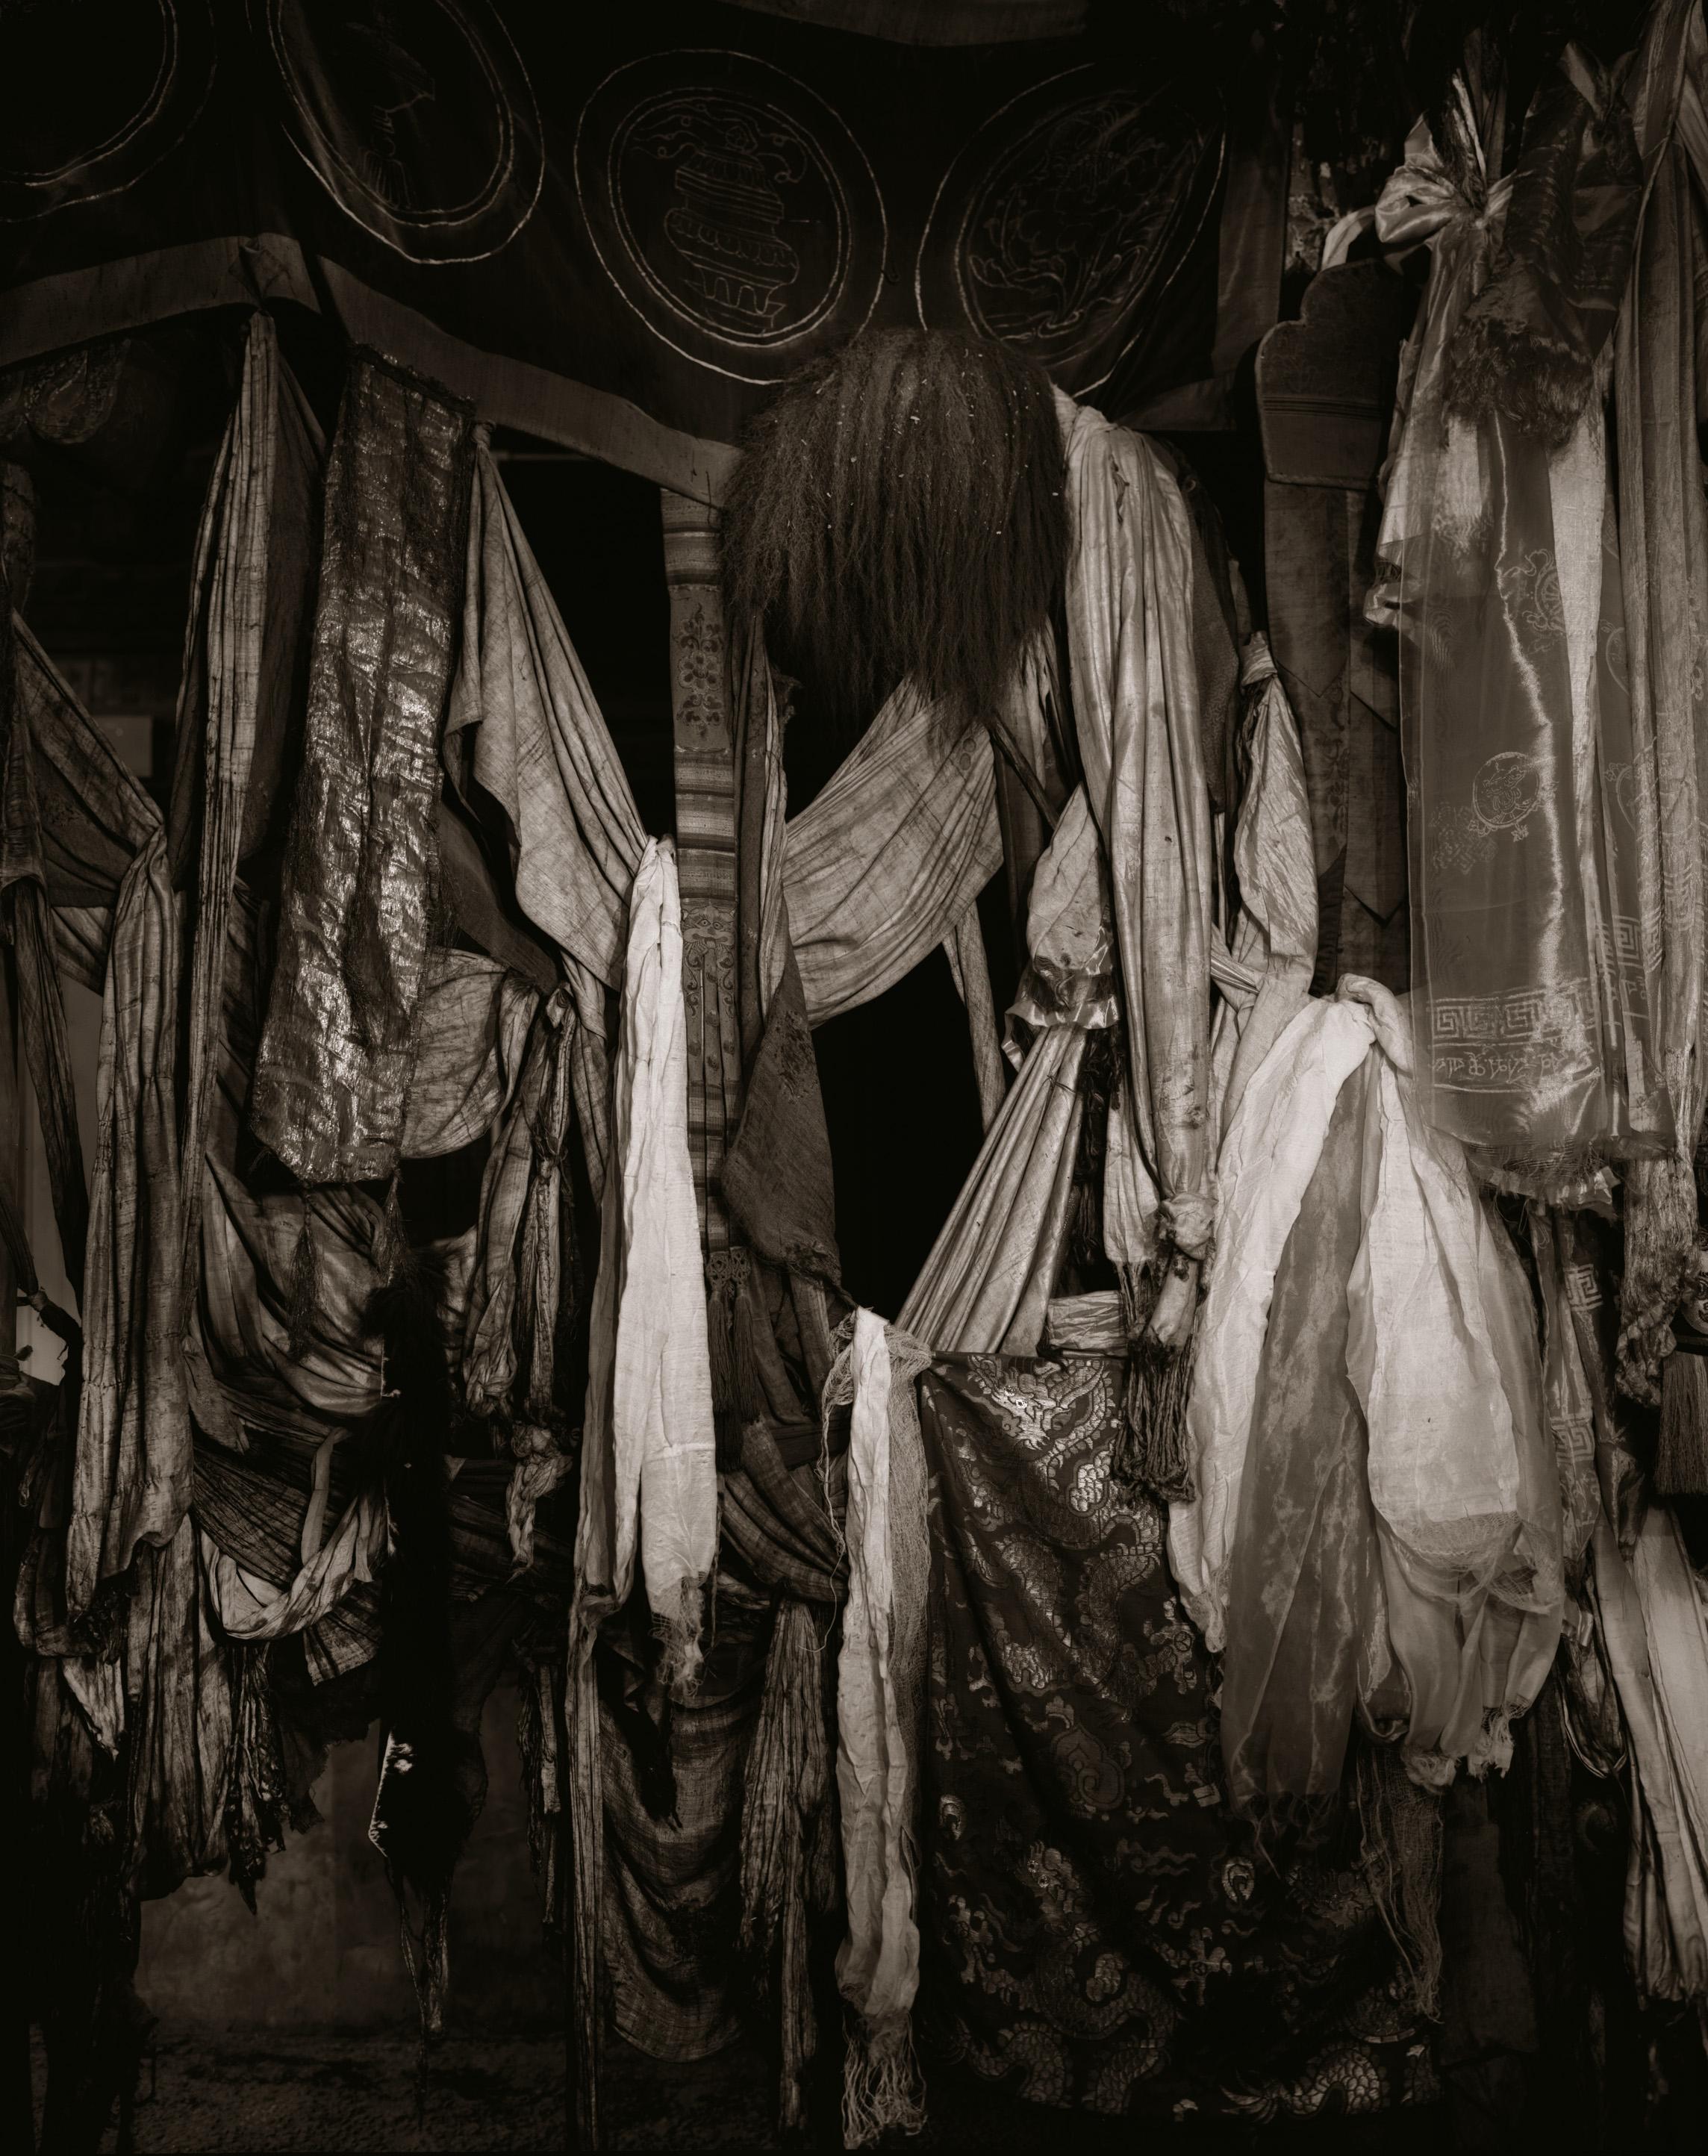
71 131
1506 790
417 116
731 208
1062 222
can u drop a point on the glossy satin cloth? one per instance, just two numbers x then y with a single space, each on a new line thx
332 1081
1535 951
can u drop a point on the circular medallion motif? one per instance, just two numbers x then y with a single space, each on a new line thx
71 131
417 116
731 208
1505 791
1063 221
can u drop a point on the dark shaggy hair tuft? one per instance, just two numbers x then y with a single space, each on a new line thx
901 511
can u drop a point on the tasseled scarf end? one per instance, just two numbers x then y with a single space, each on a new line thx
679 1630
1153 1453
304 1290
882 2091
1401 1860
1681 1458
738 1394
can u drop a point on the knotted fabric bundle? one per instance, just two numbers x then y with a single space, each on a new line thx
648 1470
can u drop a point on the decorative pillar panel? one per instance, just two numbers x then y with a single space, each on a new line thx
706 846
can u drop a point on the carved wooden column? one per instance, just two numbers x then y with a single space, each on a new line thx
705 846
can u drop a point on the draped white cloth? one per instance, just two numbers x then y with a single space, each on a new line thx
1269 1156
648 1463
1442 1353
880 1698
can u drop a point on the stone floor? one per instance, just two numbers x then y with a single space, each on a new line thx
275 2090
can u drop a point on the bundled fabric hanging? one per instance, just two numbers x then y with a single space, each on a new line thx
1134 678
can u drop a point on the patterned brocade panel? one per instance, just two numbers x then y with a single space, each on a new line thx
1096 1925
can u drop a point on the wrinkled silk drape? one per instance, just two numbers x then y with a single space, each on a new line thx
535 1122
473 1021
985 1286
986 1283
1273 935
179 1686
523 726
1135 707
251 1608
332 1077
1098 1934
471 1025
1306 1619
889 857
248 1241
28 921
251 592
131 1479
1268 1155
1442 1359
1650 1608
270 446
1663 558
1646 1602
1535 959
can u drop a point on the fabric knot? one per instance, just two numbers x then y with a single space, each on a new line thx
1388 1021
1238 982
1257 662
1188 1222
530 1440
